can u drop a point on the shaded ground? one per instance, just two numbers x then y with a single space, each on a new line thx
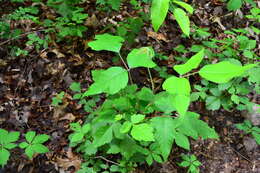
28 84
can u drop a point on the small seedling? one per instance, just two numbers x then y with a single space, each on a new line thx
7 140
34 144
190 162
248 128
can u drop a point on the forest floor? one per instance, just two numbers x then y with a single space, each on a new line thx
27 86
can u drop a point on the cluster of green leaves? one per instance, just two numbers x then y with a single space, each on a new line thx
248 128
33 145
191 162
125 123
159 10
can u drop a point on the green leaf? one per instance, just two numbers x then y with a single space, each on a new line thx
164 102
10 146
76 137
125 127
41 139
39 148
223 72
164 128
23 145
180 88
159 12
149 160
12 137
4 156
257 137
213 103
191 64
233 5
190 125
29 136
85 128
109 81
184 5
137 118
141 57
3 136
182 140
183 20
29 152
75 86
142 132
103 136
107 42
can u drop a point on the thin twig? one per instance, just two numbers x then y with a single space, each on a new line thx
240 154
151 78
109 161
190 74
128 69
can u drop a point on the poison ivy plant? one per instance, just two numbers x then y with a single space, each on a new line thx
159 10
7 140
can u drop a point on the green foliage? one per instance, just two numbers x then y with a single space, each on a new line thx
159 10
190 162
58 99
7 140
233 5
34 144
248 128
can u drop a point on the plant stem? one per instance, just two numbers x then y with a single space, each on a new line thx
128 69
151 78
190 74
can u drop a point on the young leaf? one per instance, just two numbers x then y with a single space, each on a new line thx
142 132
125 127
141 57
39 148
107 42
184 5
233 5
183 20
164 128
137 118
103 135
159 12
29 136
109 81
180 88
41 139
191 64
4 156
223 72
75 86
182 140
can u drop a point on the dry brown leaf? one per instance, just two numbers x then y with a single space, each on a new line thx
157 36
71 161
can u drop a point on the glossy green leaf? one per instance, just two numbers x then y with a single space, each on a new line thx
29 136
125 127
191 64
103 135
180 88
39 148
109 81
183 20
233 5
4 156
107 42
159 12
137 118
184 5
182 140
142 132
164 128
141 57
41 138
223 72
76 137
29 152
23 145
